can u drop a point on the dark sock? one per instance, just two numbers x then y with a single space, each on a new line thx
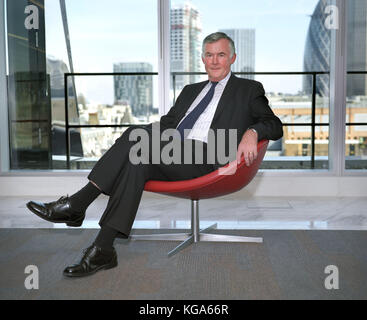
84 197
105 237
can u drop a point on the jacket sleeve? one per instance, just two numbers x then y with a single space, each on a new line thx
267 125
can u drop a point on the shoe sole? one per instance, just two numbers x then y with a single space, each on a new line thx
105 267
76 223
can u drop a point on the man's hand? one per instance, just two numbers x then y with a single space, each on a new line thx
248 147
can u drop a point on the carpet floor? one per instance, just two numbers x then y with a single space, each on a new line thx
287 265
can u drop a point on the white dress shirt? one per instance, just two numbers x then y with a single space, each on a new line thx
201 127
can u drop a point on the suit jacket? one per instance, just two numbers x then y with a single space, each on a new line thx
243 105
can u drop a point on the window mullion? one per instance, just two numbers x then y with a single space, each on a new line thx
163 55
4 129
338 93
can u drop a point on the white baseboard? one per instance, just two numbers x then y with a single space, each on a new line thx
263 185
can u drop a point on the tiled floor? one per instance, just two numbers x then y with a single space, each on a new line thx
254 213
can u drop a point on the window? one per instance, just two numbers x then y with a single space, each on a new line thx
356 104
81 37
294 59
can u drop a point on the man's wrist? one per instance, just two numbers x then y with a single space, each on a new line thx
251 131
254 130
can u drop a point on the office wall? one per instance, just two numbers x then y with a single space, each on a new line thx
265 184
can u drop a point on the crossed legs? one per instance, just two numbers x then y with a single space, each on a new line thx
116 176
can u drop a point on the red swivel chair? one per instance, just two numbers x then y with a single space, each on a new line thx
222 181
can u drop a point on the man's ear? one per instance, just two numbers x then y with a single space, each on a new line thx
233 58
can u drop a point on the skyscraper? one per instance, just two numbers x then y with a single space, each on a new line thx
185 42
135 90
357 46
317 50
244 40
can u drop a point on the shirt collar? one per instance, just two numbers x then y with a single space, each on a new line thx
224 81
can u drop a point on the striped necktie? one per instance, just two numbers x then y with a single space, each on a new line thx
192 117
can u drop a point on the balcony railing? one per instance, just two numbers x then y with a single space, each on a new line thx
311 124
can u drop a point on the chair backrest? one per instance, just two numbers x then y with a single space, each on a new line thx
222 181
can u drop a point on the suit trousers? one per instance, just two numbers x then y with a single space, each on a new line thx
124 181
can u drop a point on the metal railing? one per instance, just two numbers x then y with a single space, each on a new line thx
70 126
311 124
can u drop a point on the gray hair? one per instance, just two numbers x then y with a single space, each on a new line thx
214 37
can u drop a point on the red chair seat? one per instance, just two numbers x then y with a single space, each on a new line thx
220 182
214 184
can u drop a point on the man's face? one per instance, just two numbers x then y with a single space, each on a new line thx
217 59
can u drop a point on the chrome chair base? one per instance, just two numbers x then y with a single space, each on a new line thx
196 235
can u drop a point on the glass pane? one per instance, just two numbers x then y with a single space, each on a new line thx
133 105
356 104
356 147
296 149
133 101
96 141
28 87
356 135
274 38
47 39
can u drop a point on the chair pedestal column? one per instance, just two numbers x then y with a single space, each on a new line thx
196 234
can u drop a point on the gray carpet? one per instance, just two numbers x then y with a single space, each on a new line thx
288 265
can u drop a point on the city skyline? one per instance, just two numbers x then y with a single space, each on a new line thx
292 109
96 49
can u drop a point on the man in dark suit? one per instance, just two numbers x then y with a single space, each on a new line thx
223 102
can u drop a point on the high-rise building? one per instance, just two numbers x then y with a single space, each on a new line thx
317 49
357 46
244 40
185 42
134 90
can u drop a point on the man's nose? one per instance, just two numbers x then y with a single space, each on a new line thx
215 59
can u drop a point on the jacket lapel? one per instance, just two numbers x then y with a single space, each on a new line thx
190 99
226 97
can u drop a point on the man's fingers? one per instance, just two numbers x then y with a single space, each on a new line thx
249 156
247 161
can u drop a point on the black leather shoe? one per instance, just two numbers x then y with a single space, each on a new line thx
94 259
59 211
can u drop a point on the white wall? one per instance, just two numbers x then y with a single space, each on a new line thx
264 184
